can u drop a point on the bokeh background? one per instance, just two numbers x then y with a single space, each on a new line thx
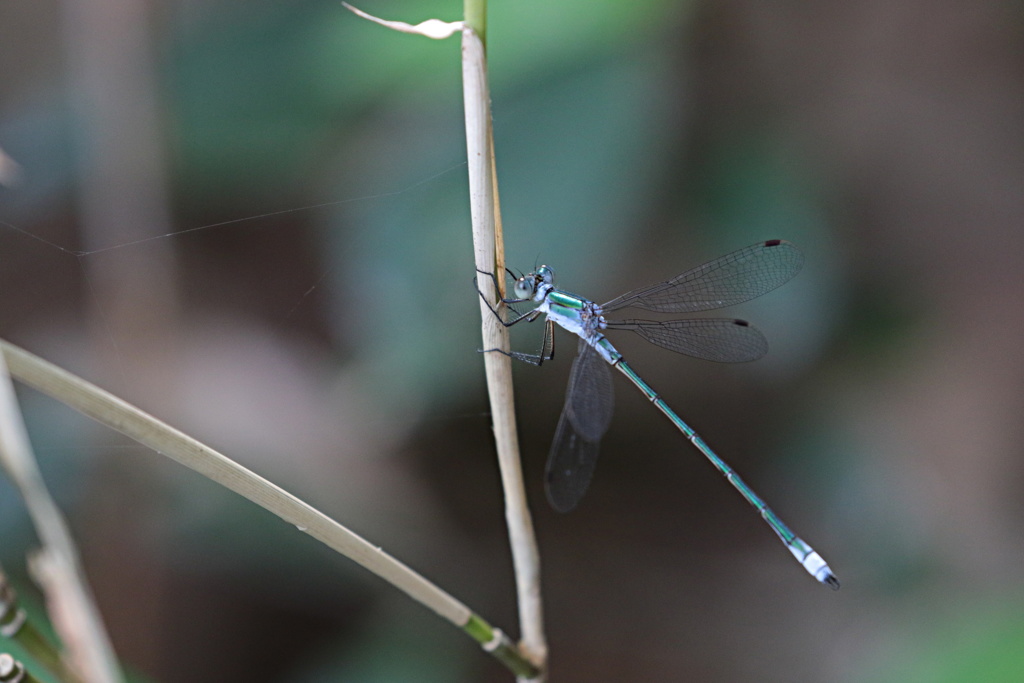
251 219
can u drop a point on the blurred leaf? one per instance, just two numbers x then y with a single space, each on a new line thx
983 645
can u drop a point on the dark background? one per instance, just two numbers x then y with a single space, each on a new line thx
312 315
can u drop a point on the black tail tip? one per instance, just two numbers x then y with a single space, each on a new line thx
832 582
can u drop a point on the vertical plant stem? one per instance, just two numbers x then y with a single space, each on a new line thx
489 256
474 16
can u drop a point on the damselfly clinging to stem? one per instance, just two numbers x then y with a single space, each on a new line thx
731 279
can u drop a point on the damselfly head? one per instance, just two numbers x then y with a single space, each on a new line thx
527 286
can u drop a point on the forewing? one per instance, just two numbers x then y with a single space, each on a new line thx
731 279
723 340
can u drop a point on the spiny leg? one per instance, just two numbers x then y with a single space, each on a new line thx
547 345
547 350
529 315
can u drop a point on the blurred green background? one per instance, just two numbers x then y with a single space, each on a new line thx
313 316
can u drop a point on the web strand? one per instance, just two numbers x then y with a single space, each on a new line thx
186 231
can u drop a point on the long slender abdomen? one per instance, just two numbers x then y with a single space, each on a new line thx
804 553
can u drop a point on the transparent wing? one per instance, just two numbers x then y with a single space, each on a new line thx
731 279
588 411
570 467
723 340
589 400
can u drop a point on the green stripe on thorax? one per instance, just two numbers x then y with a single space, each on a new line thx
564 300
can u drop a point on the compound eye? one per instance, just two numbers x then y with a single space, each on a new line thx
524 288
546 274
